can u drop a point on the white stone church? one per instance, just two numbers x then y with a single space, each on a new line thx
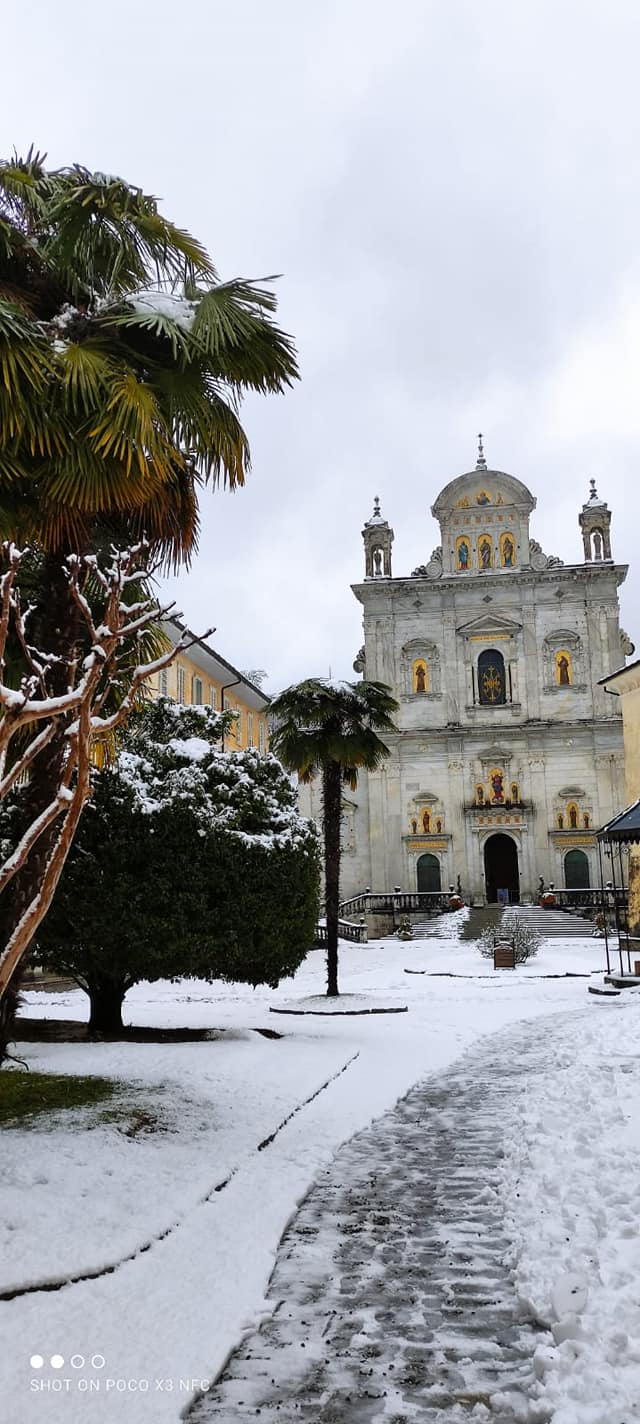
509 754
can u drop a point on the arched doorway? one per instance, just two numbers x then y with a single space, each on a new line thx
501 868
576 870
429 873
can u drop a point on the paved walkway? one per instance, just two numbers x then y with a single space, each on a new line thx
391 1298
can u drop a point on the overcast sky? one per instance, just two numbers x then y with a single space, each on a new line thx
451 193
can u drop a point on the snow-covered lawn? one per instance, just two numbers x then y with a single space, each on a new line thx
79 1194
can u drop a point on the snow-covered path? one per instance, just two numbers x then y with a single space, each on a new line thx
391 1297
77 1193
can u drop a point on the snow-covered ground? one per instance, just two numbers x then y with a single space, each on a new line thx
570 1191
209 1193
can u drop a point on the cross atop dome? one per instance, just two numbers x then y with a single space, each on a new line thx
481 463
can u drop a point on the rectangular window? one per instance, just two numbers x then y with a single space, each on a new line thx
197 691
163 683
181 683
213 696
239 725
262 736
249 729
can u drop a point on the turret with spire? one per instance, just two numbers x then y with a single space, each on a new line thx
595 523
378 537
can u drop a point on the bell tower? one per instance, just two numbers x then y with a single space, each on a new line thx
378 538
595 523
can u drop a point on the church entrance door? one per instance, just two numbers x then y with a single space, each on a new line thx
501 869
429 873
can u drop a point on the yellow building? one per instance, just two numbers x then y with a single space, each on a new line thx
202 677
625 684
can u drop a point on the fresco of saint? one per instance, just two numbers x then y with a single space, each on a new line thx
497 787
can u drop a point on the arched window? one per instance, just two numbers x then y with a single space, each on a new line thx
576 870
491 679
428 869
564 670
420 676
507 551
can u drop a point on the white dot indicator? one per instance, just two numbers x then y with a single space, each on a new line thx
36 1362
57 1362
77 1362
98 1362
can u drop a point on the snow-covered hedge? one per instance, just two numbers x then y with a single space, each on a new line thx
189 861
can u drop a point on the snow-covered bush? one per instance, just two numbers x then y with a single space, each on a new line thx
513 929
189 861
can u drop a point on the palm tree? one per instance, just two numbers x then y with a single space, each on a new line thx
123 362
330 729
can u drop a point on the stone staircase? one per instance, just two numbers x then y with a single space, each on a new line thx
552 924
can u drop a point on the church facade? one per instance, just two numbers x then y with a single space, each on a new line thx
509 754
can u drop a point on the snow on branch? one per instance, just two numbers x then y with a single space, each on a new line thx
102 688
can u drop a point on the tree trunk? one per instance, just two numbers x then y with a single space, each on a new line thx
54 627
332 812
105 997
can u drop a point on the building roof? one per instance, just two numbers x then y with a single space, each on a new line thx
217 667
619 672
624 827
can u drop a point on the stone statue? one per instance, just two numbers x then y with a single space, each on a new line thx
421 678
377 561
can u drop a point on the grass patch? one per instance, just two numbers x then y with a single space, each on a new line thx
23 1095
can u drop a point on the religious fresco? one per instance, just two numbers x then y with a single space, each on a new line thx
485 552
507 551
483 497
463 552
564 676
426 821
420 676
496 782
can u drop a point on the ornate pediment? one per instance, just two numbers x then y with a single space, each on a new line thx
489 625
